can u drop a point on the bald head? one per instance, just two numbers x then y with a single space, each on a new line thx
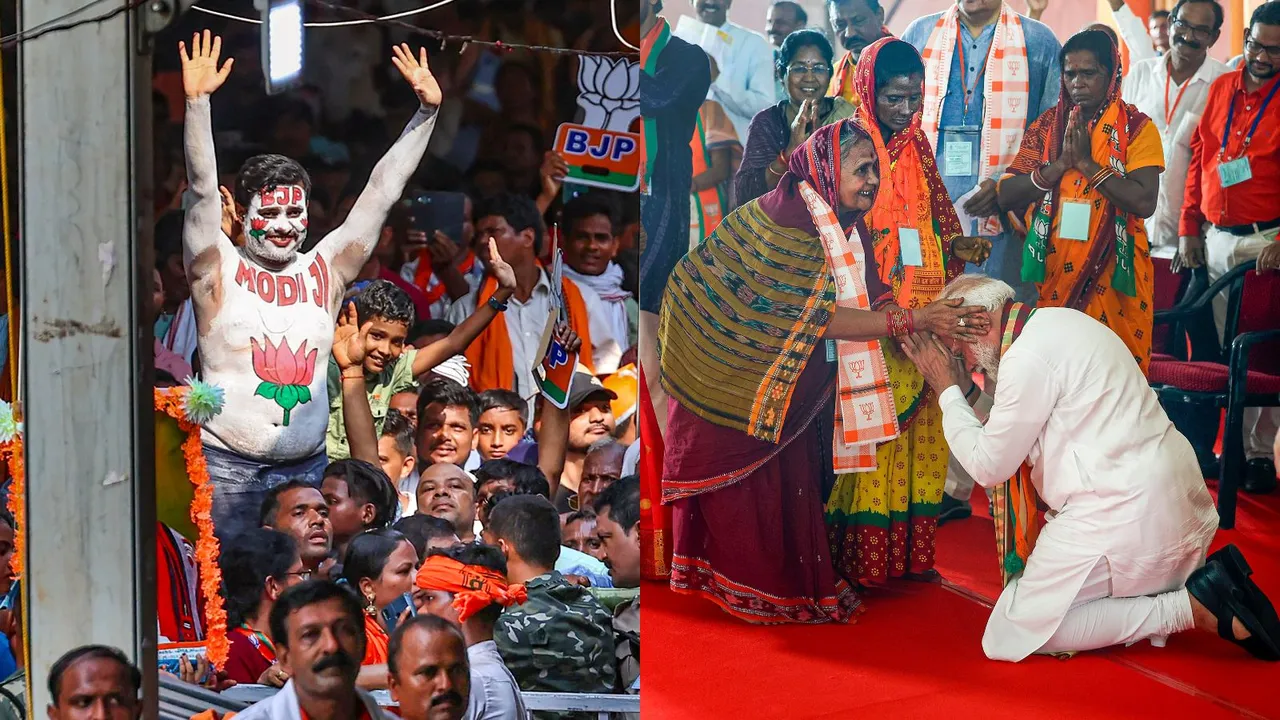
446 491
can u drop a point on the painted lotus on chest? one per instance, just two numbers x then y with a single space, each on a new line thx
286 374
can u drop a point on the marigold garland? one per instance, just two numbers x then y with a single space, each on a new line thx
170 401
12 453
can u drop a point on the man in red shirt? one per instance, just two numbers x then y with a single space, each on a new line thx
1231 213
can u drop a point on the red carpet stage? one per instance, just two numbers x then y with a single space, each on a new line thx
916 653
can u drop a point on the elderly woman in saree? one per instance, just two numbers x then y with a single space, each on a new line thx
804 64
1087 174
771 350
882 514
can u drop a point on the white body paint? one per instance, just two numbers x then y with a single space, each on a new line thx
239 304
279 309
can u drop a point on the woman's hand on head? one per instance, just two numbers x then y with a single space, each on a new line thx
950 319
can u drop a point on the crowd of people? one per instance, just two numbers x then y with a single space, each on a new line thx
402 501
897 217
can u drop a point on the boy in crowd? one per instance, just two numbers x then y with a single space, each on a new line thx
395 454
560 639
472 569
446 432
502 423
384 314
360 498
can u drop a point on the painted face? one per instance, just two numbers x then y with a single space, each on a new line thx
276 224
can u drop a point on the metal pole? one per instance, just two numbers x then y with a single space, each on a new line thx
86 253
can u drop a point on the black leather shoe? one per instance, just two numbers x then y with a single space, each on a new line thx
1224 588
1260 476
953 509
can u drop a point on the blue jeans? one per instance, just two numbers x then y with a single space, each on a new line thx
240 485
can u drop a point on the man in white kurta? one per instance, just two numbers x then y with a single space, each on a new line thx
1130 518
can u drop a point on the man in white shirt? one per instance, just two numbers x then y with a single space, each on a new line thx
590 245
742 77
478 572
1121 556
1172 90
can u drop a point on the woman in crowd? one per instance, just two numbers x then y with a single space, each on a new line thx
804 64
717 153
380 566
1087 174
741 329
256 568
881 521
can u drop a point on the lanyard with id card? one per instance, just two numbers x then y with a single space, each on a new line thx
1234 172
957 159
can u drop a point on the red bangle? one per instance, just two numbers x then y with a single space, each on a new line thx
898 322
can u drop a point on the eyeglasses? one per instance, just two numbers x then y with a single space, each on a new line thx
1253 48
1199 30
304 575
814 69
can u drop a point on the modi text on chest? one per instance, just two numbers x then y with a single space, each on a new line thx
285 289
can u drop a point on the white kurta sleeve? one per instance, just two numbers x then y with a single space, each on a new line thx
992 452
1133 32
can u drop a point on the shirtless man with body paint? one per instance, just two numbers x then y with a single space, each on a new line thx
265 312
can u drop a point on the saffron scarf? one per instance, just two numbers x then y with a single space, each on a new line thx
1006 88
655 518
490 354
424 274
911 196
474 587
713 131
1015 505
260 642
1119 123
651 47
744 310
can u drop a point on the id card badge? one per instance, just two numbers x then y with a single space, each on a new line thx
1075 220
831 351
909 247
1235 172
957 159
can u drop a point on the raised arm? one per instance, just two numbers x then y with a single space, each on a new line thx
349 340
350 244
468 330
202 227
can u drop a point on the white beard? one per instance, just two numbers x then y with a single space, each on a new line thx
257 242
988 360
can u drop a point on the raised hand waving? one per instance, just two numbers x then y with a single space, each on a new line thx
201 75
417 74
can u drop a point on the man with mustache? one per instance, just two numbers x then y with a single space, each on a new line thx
742 78
988 74
265 310
590 420
427 670
857 24
1231 210
1172 90
1120 554
318 631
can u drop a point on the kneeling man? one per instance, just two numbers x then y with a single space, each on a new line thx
1121 556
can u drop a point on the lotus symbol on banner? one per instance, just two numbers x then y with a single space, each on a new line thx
609 92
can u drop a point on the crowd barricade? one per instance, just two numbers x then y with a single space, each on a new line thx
180 701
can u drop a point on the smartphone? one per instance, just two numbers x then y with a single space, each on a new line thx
391 613
443 211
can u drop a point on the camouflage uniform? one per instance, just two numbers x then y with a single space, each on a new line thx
559 640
